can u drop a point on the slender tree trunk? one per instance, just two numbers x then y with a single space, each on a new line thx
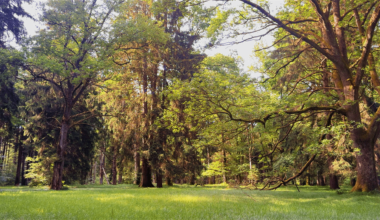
114 170
224 166
120 180
333 177
19 160
94 172
320 181
19 163
101 165
24 181
168 179
136 157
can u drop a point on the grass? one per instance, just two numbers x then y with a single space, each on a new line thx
131 202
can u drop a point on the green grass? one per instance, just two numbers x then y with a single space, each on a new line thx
187 202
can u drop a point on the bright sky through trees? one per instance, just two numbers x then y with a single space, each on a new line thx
244 50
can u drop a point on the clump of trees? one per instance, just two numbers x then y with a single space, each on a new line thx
120 91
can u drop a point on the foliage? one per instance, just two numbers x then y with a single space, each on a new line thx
10 13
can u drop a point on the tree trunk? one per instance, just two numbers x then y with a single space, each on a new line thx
114 171
334 184
353 182
24 181
19 162
192 179
224 166
320 181
94 173
57 175
101 165
146 175
159 179
137 165
168 179
121 168
212 180
58 165
366 168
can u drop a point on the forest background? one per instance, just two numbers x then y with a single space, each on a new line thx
122 91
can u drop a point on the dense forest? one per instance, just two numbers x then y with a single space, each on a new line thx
122 91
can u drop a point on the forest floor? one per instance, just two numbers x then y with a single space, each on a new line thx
185 202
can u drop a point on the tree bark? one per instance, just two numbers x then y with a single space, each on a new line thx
224 166
159 179
321 180
94 172
366 168
59 164
114 170
24 181
146 175
353 181
168 179
101 165
120 180
19 161
334 184
136 157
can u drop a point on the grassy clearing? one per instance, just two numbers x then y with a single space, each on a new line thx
131 202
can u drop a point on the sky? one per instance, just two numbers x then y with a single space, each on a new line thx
243 50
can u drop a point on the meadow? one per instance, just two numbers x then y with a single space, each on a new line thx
185 202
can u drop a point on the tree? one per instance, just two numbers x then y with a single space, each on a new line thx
324 28
72 54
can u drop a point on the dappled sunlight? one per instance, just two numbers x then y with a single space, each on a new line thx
189 198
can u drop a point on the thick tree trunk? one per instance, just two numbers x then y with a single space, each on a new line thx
146 175
57 175
58 165
334 184
352 181
366 168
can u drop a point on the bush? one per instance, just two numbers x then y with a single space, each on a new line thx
339 191
6 181
36 183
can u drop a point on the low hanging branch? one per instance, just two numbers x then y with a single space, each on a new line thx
283 182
